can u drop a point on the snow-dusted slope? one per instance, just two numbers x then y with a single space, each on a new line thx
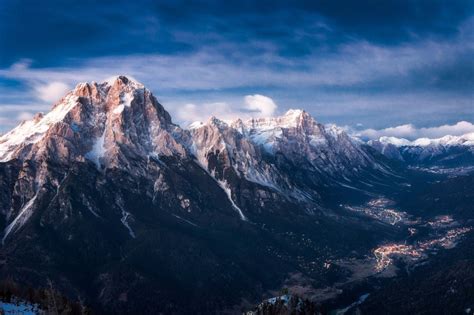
448 150
34 130
465 140
298 136
221 148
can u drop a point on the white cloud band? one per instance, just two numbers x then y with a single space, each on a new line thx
411 132
254 106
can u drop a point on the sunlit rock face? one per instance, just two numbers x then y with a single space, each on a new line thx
102 122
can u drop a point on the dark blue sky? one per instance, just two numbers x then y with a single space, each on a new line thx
369 63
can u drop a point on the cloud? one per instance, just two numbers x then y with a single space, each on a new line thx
253 106
24 116
51 92
402 131
16 108
231 65
7 122
411 132
260 105
188 113
12 114
125 28
348 82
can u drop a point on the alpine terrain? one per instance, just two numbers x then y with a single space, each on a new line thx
110 204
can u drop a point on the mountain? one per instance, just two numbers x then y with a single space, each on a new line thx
104 123
291 154
448 151
108 201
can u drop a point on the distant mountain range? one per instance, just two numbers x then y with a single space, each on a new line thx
113 203
448 151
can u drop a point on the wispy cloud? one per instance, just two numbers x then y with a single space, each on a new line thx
260 105
252 106
51 92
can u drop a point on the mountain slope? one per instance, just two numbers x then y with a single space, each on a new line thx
110 200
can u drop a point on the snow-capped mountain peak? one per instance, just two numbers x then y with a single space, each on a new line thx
126 80
399 142
466 139
195 125
96 122
291 119
214 121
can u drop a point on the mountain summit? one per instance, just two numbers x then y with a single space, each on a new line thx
99 122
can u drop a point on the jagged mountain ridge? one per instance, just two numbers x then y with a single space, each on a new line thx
298 137
448 151
119 121
262 150
107 183
108 115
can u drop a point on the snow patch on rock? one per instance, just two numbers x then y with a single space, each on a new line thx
223 184
23 216
126 99
98 150
124 220
119 109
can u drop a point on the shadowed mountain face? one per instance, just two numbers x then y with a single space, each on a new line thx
115 204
